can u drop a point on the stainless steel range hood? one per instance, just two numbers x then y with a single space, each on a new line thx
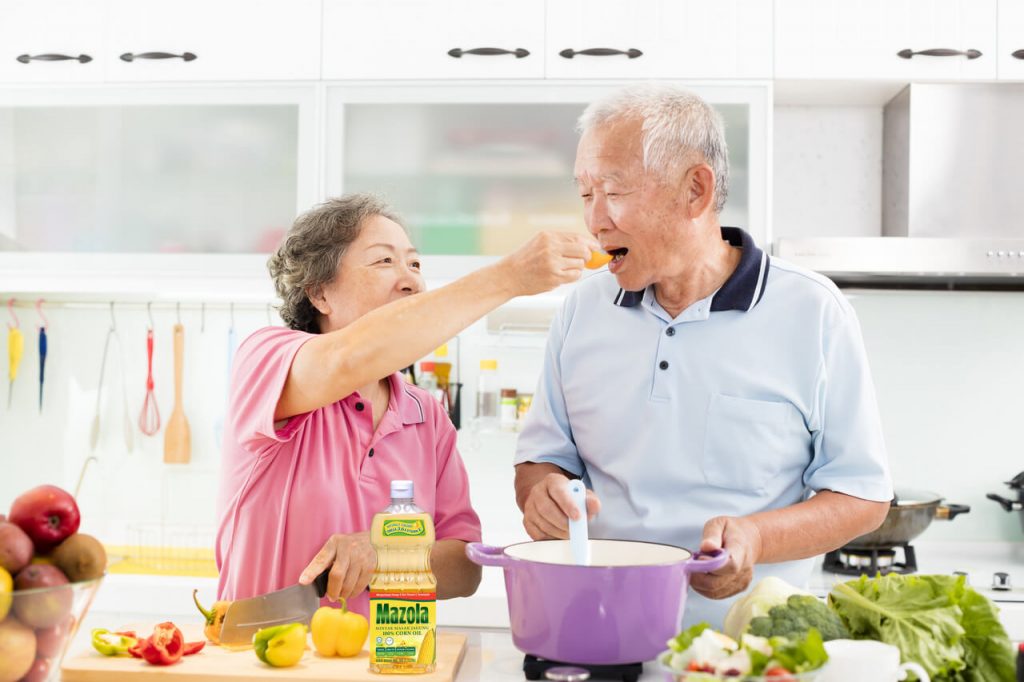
952 195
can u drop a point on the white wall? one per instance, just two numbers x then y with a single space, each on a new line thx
827 169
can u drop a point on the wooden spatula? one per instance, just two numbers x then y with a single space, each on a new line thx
177 439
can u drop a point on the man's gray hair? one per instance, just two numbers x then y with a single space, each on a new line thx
309 255
675 124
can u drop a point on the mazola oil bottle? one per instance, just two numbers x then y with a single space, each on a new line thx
403 591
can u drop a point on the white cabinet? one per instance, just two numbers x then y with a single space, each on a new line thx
227 40
159 40
864 39
55 41
1011 39
433 39
145 170
659 39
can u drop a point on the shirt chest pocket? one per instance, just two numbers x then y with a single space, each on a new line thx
748 443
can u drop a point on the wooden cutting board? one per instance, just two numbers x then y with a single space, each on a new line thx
215 664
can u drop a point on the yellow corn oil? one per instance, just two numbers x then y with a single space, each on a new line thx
403 591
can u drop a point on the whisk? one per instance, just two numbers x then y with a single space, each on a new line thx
149 418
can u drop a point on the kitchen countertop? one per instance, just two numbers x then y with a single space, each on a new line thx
490 654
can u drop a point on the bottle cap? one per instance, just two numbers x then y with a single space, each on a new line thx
508 393
401 490
488 364
426 367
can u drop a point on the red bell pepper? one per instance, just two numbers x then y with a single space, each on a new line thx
165 646
194 647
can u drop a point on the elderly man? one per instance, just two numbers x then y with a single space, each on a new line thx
707 395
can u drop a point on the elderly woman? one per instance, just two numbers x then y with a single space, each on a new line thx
319 420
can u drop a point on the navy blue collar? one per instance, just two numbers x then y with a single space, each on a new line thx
744 288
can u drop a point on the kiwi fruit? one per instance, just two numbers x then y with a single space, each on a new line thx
81 557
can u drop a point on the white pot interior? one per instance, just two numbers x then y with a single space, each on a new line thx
602 553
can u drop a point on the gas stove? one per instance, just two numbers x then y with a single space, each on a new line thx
871 560
540 669
996 569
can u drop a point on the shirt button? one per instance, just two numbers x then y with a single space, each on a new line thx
671 331
663 364
359 407
370 454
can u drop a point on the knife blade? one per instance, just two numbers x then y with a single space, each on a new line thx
295 604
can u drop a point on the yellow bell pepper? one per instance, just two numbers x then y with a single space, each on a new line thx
214 617
338 632
281 646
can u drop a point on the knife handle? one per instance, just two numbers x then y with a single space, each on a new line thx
320 582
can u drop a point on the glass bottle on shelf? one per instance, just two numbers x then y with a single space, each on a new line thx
487 395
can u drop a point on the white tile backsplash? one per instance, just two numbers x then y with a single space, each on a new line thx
947 365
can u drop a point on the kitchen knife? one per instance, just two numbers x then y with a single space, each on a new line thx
295 604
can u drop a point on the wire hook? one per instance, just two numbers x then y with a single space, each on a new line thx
149 312
177 311
39 311
202 318
14 316
269 323
113 320
232 309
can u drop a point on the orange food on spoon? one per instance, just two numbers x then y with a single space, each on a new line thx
597 259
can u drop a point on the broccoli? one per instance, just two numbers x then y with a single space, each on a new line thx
799 614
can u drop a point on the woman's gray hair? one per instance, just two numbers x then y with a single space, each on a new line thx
675 124
309 255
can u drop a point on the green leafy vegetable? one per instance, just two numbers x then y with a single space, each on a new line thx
684 639
934 620
800 655
799 614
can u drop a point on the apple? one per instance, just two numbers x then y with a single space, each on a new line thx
15 548
39 671
17 650
50 641
45 608
47 514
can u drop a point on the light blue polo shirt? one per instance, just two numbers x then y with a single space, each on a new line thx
750 399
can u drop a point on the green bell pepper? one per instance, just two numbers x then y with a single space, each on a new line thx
112 643
280 646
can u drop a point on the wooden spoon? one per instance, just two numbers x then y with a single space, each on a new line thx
177 439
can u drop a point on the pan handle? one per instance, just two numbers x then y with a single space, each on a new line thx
947 512
1008 505
486 555
705 562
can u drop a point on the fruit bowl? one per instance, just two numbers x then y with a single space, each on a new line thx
36 627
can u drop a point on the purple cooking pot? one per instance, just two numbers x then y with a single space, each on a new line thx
621 608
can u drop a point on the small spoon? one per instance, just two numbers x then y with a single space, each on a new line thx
579 539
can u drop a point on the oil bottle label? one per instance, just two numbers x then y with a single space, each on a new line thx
404 528
402 628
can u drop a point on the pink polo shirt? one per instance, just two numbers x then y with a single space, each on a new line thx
284 492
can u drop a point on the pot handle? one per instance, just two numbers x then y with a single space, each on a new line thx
486 555
1008 505
705 562
948 512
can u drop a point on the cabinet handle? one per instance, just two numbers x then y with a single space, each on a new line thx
186 56
25 58
488 52
632 52
940 52
1019 54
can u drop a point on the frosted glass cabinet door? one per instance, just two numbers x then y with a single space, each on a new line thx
51 41
478 178
218 178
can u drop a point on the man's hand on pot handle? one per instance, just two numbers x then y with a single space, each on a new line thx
549 507
352 560
743 540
